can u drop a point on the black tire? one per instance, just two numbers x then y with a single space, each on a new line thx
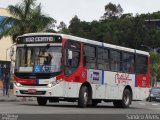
150 99
126 100
147 99
42 101
83 97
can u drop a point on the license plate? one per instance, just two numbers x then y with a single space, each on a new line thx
31 90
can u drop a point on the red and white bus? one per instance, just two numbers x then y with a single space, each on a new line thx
57 67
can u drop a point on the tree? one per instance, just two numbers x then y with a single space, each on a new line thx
119 29
26 17
155 66
63 28
112 10
75 26
62 25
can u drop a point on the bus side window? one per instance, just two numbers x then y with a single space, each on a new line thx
103 59
115 60
89 56
74 60
128 62
72 51
141 64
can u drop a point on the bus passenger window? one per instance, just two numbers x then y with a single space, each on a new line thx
141 64
89 56
115 60
75 59
72 57
128 62
103 59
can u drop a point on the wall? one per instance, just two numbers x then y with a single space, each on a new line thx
5 42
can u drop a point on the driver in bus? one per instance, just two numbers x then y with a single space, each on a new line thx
48 59
54 60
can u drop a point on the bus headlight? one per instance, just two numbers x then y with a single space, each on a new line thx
54 83
50 85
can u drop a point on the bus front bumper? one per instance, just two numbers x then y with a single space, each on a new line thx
38 91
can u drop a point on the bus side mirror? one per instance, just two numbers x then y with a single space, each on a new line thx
70 54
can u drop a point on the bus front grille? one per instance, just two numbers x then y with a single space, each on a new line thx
30 93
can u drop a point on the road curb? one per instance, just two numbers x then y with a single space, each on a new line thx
23 99
14 100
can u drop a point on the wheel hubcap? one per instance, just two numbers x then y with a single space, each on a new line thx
126 99
85 96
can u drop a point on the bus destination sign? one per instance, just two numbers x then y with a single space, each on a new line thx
39 39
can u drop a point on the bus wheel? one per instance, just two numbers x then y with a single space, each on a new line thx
42 101
83 97
126 100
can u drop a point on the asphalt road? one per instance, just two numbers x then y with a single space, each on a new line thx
31 107
29 110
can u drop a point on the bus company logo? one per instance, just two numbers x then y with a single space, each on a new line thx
122 78
94 75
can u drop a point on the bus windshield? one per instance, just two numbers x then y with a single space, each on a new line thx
46 59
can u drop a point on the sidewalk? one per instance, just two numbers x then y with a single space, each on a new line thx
12 98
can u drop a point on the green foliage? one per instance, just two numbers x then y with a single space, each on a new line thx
75 26
155 65
26 18
117 28
112 10
63 28
123 30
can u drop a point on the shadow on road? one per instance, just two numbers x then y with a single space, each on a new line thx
74 105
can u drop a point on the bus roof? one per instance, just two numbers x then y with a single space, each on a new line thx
88 41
